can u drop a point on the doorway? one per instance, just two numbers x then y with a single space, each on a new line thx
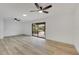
39 29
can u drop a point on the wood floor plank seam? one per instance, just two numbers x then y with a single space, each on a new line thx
6 47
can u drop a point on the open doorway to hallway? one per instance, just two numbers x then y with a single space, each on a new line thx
39 29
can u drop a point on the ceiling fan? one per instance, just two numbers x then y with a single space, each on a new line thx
41 9
16 19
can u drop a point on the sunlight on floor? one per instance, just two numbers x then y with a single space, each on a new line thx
39 42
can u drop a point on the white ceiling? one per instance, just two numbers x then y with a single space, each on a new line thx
12 10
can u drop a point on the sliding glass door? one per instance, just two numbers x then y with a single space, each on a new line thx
38 29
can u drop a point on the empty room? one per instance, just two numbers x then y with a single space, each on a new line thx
39 29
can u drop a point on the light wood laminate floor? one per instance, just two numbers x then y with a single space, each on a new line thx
25 45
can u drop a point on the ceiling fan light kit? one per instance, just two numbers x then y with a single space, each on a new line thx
24 15
40 11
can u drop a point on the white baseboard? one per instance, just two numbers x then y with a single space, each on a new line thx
1 37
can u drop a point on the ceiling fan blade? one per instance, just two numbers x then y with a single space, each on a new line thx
16 19
45 11
34 10
47 7
41 8
36 4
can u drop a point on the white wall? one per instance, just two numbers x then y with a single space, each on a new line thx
58 24
1 27
12 27
28 28
76 28
61 21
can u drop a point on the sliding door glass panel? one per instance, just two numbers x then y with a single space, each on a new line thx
34 29
38 29
41 32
